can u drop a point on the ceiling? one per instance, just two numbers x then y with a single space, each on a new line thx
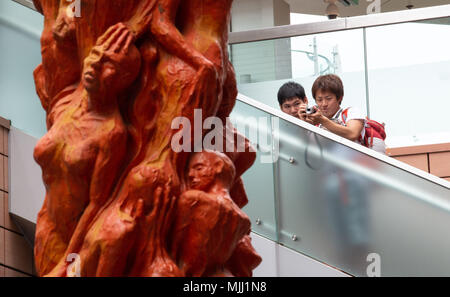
317 7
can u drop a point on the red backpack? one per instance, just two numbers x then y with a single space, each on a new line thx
372 128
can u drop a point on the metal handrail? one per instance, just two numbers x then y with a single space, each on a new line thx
386 159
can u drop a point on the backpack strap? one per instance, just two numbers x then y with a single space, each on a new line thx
336 116
344 115
371 132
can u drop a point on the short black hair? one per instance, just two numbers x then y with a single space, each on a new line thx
290 90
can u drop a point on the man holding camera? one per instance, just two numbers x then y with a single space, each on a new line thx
291 96
328 92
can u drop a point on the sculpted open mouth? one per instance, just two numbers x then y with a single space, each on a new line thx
63 31
89 76
194 184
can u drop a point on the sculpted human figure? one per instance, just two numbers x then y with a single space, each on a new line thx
199 40
82 153
205 25
208 225
212 43
59 73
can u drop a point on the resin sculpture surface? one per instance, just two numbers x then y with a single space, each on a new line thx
121 200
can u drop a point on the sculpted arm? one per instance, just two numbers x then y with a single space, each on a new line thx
39 80
164 30
106 169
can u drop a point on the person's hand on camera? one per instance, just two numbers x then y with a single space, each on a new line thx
314 118
302 111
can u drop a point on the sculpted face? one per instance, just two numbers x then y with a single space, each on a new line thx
99 70
201 174
292 105
64 27
327 103
113 64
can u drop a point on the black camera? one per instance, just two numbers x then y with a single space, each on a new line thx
310 110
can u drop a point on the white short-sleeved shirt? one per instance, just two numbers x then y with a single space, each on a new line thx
353 113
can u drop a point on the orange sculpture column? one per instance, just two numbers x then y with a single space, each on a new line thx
120 200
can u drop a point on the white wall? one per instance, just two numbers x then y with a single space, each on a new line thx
257 14
27 191
268 60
